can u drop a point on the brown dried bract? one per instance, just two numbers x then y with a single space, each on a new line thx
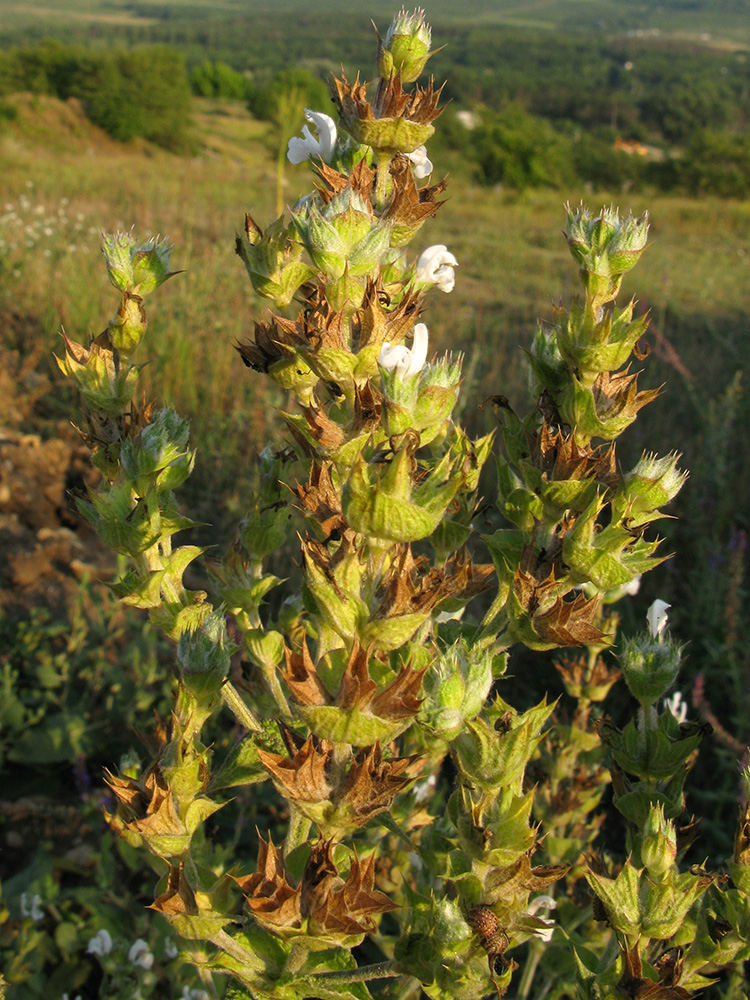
178 897
271 343
519 879
553 619
339 906
302 678
334 182
372 783
375 324
411 206
149 807
320 499
558 456
617 393
274 902
410 586
303 776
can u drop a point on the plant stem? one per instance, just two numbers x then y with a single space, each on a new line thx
233 701
299 827
524 987
382 970
277 692
236 951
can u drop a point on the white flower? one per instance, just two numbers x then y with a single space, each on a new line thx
170 949
403 361
191 993
677 707
77 996
543 903
139 954
299 150
435 267
656 616
100 944
422 166
31 907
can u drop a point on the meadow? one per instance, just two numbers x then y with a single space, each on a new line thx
64 181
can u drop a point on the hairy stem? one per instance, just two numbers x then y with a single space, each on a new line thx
233 701
381 970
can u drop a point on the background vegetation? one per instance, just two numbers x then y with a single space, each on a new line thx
171 117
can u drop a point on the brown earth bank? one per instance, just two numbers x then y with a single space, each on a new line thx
46 548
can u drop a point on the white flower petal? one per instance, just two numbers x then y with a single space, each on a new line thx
677 707
418 349
403 361
435 267
656 617
326 128
420 162
298 150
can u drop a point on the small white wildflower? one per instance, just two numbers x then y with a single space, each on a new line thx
77 996
299 150
139 954
100 943
656 616
435 267
192 993
420 162
31 907
170 949
403 361
677 707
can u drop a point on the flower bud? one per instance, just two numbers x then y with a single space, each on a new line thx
158 457
406 47
204 655
345 242
605 247
659 844
650 667
136 267
653 483
455 689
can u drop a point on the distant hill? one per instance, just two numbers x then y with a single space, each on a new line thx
709 21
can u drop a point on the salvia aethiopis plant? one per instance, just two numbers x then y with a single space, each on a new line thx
437 841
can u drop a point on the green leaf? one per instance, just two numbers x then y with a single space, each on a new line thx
242 767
